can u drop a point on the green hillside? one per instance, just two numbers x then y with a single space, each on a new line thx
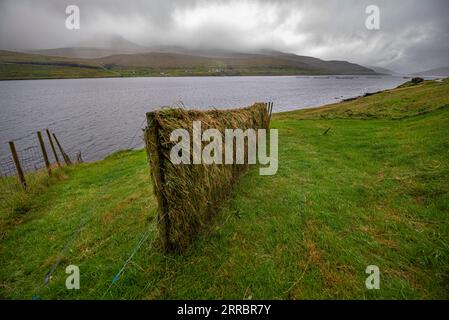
373 190
14 65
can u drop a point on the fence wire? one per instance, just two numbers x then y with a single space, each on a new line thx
31 159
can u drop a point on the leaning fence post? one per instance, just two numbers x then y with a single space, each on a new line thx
17 163
53 147
44 152
64 155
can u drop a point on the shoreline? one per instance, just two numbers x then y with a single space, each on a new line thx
93 158
281 113
209 75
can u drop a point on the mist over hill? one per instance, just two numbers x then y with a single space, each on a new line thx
436 72
381 70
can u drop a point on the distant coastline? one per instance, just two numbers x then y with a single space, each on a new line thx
195 76
67 65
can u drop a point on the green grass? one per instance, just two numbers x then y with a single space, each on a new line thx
16 66
373 191
29 71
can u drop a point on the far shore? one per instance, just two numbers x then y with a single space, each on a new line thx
210 75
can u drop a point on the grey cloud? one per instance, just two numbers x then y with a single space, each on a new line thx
414 34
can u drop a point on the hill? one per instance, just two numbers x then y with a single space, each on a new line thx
18 65
437 72
127 61
80 52
381 70
371 191
98 47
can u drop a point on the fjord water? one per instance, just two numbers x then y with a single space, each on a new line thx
100 116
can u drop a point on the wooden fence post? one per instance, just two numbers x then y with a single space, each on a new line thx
44 152
53 147
269 110
79 158
17 163
64 155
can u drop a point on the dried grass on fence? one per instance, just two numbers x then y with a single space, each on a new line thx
188 195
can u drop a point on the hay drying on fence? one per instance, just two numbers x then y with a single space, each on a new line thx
189 195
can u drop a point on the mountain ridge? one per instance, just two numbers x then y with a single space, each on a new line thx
123 59
435 72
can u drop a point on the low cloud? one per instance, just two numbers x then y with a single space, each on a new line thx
413 35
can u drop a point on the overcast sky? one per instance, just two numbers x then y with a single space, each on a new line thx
413 35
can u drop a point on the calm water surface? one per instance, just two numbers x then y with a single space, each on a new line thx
99 116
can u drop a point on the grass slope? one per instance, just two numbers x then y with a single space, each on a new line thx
16 66
372 191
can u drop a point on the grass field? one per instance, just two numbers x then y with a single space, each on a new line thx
30 71
16 66
374 190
